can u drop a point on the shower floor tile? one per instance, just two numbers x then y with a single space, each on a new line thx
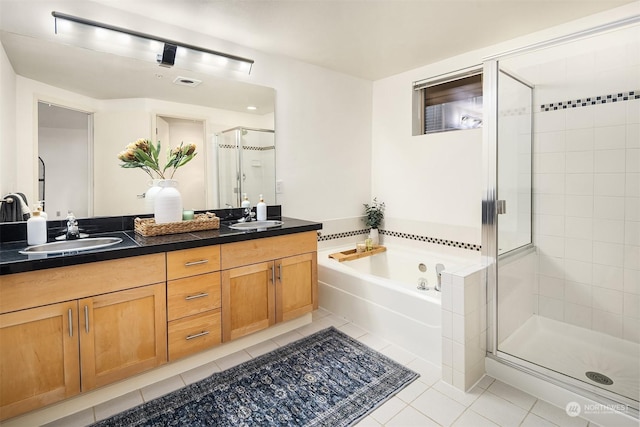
573 351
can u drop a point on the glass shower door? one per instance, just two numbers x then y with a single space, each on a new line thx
514 162
564 299
515 253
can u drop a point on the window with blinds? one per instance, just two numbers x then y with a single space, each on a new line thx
450 103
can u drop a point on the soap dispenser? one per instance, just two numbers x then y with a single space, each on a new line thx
40 208
245 201
36 229
261 210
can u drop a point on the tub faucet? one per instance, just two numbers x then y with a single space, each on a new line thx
439 269
423 284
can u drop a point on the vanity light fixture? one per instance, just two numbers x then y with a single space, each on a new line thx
121 41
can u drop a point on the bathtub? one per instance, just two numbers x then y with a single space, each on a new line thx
379 293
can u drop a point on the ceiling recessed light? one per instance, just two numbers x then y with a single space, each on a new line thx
252 107
186 81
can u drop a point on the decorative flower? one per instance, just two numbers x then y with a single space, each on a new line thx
143 154
374 213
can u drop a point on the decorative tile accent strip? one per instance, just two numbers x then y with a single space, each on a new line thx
444 242
248 147
322 238
593 100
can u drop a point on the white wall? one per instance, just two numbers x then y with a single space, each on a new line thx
8 166
429 178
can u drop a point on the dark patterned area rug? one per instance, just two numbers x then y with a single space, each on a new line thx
325 379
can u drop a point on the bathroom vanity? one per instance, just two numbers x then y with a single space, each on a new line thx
70 323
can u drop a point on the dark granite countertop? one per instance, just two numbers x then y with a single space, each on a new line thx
11 261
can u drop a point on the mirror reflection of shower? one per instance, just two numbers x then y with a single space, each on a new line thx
246 165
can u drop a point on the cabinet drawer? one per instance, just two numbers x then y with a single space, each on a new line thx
35 288
193 295
194 333
189 262
266 249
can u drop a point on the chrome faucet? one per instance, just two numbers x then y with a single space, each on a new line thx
73 232
247 216
439 269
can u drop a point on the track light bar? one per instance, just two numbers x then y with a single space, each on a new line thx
121 41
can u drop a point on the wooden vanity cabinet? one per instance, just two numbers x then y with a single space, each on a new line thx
193 300
71 329
121 334
265 281
75 328
296 286
40 357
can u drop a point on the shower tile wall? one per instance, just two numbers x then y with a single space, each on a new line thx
587 216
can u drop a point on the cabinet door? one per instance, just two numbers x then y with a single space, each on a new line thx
248 300
296 286
122 333
39 361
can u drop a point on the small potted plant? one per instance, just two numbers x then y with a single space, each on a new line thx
374 214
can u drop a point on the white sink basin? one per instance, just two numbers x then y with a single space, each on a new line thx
255 225
72 245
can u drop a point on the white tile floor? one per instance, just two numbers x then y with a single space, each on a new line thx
426 402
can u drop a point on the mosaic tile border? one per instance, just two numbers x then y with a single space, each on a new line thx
248 147
593 100
322 238
451 243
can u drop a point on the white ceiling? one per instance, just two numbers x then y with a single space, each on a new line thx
371 39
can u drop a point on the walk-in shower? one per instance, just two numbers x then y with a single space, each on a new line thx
561 217
246 165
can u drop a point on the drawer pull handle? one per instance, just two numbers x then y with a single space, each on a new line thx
192 263
70 323
86 318
202 295
201 334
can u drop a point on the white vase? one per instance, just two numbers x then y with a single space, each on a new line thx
168 202
150 196
373 235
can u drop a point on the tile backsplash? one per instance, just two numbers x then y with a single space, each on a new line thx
586 172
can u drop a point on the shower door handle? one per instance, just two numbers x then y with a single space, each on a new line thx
501 207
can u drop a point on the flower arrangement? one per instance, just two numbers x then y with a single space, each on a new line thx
374 213
145 155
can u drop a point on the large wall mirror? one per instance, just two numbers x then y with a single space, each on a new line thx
66 93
